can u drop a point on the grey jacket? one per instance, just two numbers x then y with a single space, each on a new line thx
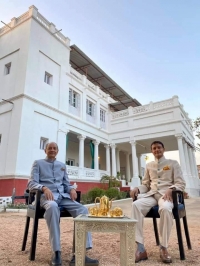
51 174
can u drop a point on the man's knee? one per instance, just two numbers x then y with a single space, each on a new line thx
51 205
166 207
84 210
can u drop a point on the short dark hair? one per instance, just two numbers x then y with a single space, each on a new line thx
157 142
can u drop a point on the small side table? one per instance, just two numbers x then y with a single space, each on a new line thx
125 226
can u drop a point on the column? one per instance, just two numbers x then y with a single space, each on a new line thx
185 148
135 180
114 172
81 150
118 160
96 154
61 141
191 159
128 170
182 157
195 164
139 164
107 158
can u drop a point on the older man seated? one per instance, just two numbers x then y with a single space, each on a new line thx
49 176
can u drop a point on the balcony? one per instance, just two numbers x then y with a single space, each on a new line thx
84 174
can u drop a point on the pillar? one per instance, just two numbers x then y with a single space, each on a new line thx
81 150
187 162
107 158
181 153
195 164
96 154
135 180
114 172
191 158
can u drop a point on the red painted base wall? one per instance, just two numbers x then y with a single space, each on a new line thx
7 185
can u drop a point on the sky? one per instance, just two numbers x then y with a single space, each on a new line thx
151 48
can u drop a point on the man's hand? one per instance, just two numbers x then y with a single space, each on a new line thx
168 195
134 193
73 194
48 194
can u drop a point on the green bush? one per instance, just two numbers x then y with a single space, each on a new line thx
85 199
95 192
123 195
17 205
112 193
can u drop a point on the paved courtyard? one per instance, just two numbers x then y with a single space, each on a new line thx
106 247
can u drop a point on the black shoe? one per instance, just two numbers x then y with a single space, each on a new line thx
88 261
56 259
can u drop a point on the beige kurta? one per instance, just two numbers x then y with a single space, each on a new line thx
159 176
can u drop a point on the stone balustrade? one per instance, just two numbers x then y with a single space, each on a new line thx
75 172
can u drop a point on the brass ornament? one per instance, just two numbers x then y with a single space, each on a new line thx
104 208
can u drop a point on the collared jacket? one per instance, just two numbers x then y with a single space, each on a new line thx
160 175
51 174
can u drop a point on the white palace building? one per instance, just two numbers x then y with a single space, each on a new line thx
51 91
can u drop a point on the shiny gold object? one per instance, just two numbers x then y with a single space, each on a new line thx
104 208
116 212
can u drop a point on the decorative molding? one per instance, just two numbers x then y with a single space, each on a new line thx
113 146
72 172
120 114
179 136
81 137
96 142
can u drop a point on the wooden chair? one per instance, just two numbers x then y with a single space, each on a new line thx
36 212
179 212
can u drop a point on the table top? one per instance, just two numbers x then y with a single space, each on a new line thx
86 218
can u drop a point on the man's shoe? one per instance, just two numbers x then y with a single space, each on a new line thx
56 259
164 255
88 261
140 256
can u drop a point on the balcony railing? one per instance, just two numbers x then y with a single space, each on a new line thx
85 173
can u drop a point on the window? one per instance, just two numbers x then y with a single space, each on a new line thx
90 108
7 68
102 115
74 98
71 162
43 143
0 138
48 78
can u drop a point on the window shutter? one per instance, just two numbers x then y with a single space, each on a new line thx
87 106
70 97
78 101
93 110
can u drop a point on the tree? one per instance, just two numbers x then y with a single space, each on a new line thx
197 128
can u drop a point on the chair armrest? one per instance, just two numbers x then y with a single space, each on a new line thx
176 193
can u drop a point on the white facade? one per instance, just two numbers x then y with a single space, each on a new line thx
51 101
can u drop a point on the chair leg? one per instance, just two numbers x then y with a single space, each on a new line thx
156 231
34 239
73 247
180 239
25 233
187 233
